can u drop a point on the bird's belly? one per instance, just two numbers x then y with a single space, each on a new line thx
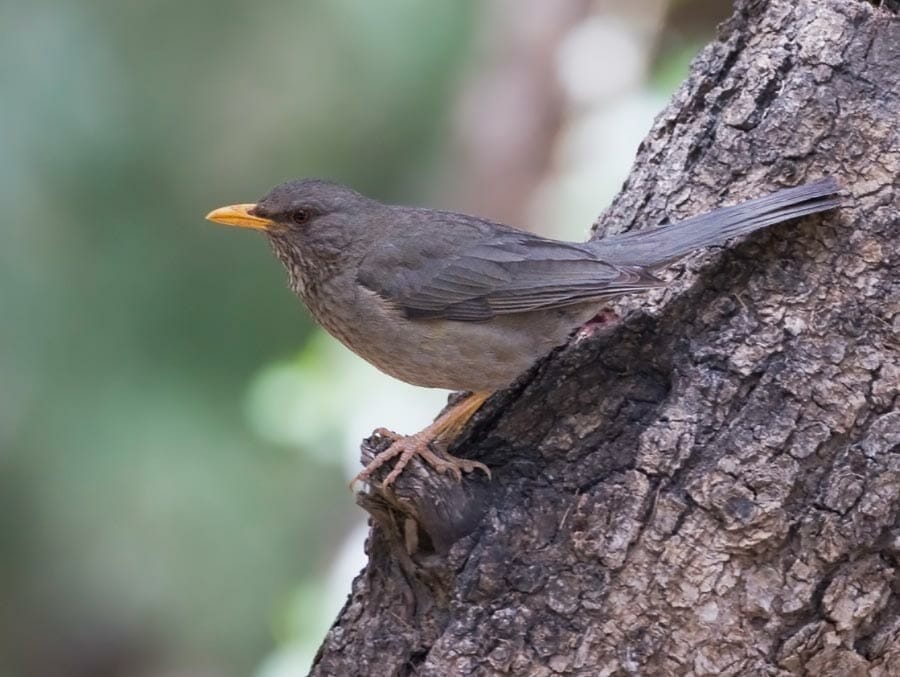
478 356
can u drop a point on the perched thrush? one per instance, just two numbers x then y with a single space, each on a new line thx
446 300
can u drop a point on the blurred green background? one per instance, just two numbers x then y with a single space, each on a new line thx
175 436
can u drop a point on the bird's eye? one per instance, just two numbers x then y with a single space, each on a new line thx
300 216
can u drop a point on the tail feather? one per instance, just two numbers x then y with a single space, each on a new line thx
660 246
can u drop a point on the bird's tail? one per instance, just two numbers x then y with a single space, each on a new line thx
657 247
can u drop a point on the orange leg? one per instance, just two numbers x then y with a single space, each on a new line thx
444 429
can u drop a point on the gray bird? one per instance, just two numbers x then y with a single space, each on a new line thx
445 300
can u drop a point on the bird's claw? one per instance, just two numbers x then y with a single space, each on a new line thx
415 445
387 433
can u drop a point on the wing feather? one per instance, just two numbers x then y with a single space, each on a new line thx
505 271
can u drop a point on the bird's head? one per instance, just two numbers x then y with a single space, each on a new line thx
311 223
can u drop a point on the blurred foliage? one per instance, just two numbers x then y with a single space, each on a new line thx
143 524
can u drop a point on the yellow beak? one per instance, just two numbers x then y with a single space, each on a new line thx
240 216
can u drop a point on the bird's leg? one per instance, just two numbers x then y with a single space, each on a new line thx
443 430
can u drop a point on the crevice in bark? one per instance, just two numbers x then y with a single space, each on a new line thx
892 6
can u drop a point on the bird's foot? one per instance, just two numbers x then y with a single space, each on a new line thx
404 448
605 319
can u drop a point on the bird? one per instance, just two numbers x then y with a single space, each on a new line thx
447 300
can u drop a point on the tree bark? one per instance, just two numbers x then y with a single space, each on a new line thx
712 485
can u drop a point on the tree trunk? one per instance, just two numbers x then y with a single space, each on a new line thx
711 486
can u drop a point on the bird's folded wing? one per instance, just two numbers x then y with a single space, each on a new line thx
512 272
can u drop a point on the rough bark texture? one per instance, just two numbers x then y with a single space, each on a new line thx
712 486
